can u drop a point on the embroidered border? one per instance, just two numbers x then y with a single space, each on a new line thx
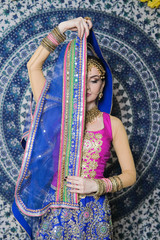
74 119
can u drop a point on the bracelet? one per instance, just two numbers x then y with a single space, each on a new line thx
45 43
121 184
58 34
116 186
54 38
101 188
108 184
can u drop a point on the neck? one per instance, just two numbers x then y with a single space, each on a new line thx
90 105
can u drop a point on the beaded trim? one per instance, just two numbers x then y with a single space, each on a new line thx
72 125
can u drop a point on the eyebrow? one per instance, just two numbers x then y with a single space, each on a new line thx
95 76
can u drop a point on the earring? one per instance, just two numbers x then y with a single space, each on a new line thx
100 96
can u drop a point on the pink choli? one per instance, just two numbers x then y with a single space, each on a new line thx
96 150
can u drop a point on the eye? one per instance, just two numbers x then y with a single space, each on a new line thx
95 80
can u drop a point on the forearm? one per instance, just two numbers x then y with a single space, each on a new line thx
35 64
124 154
128 178
35 73
113 184
118 182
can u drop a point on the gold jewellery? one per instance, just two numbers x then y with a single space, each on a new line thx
100 96
93 63
112 184
117 184
101 188
54 38
91 115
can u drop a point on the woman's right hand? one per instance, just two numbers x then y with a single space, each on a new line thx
81 25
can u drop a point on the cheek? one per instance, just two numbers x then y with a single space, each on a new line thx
96 88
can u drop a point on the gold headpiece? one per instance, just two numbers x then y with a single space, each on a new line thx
93 63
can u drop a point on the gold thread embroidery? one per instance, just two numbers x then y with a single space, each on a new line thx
91 149
65 126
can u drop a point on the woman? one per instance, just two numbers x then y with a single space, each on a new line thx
75 205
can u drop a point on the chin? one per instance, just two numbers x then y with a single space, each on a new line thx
88 100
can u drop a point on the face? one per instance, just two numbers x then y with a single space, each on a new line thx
94 85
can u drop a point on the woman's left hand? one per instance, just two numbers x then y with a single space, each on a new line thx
81 185
81 25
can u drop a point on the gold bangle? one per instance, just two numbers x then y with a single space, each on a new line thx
59 37
48 43
114 184
121 184
47 46
101 188
62 35
55 35
117 185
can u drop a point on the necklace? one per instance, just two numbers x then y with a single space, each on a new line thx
91 115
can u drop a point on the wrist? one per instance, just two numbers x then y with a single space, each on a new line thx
54 38
101 188
62 27
94 186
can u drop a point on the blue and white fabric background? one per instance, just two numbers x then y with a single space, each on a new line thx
127 31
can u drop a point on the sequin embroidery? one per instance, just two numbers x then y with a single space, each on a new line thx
91 149
91 221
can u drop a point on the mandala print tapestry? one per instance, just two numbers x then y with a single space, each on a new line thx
128 34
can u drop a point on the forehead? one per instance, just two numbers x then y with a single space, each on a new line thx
94 71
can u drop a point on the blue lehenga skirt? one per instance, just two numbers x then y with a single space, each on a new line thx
91 221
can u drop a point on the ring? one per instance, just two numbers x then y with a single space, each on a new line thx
87 18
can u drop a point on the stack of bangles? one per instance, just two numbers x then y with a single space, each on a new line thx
54 38
105 185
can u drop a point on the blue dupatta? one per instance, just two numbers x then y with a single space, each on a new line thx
54 145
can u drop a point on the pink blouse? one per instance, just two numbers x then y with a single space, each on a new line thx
96 150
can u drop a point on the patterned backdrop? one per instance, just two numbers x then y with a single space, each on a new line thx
127 32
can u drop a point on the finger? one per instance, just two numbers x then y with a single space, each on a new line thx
86 28
89 22
74 29
80 25
74 178
72 182
82 29
77 26
73 186
79 30
75 191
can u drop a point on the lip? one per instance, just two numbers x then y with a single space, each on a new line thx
88 94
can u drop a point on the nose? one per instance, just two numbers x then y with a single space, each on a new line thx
88 87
